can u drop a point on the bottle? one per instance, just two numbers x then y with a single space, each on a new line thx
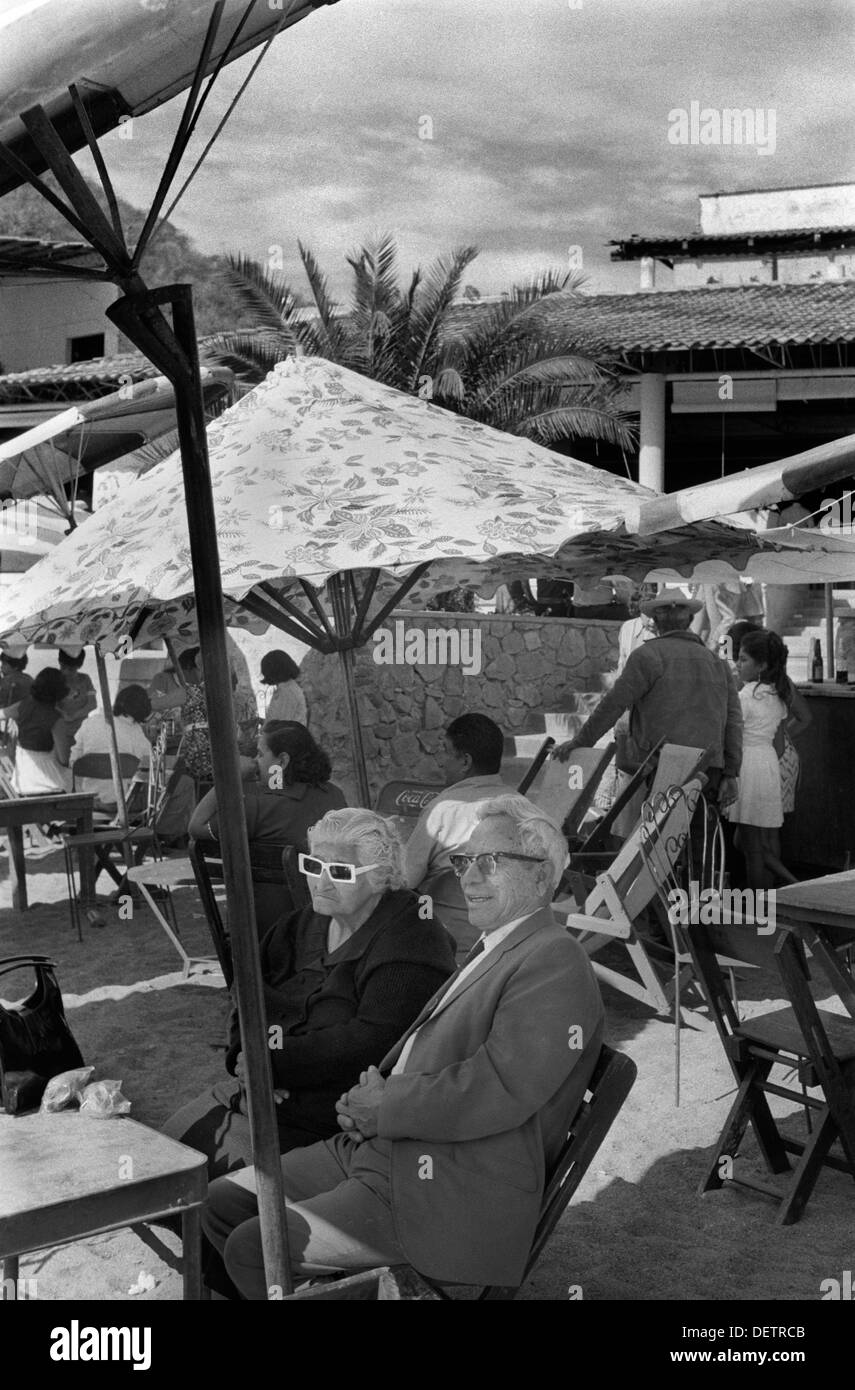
816 662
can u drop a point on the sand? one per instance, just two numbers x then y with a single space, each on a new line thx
637 1228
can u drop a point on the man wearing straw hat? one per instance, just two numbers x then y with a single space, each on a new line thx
674 688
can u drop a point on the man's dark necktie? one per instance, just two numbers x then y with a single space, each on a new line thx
476 951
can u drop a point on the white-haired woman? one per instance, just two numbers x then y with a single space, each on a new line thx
343 979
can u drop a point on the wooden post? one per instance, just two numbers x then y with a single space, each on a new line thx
177 353
115 766
829 632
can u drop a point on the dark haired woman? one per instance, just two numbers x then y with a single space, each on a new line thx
287 700
291 793
14 681
758 809
81 699
41 755
292 790
131 709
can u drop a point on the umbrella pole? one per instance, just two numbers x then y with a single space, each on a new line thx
338 600
135 314
114 763
829 630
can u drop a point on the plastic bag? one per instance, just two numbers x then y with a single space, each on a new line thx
101 1099
61 1090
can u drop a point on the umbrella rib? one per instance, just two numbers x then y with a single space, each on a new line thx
315 600
364 603
260 607
394 601
100 165
290 607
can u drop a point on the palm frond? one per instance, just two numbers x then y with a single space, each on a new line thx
262 293
430 304
251 353
537 363
331 334
570 421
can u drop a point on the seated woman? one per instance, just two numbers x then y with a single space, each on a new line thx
44 743
131 709
292 792
289 791
343 979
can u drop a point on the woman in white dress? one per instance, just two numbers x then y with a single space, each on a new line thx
286 700
758 809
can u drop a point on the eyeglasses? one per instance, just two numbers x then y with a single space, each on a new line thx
339 873
488 863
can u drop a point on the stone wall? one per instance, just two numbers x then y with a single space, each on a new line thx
529 667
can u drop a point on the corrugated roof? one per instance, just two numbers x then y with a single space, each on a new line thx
733 317
17 253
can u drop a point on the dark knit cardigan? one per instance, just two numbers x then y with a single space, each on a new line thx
340 1013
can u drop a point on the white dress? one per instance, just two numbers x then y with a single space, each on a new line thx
287 702
759 801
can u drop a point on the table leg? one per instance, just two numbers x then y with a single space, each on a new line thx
18 868
86 861
191 1233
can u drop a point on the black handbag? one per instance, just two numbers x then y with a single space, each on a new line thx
36 1042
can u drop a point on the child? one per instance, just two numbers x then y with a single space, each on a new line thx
765 696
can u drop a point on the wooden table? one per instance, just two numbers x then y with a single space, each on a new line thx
16 812
822 912
69 1176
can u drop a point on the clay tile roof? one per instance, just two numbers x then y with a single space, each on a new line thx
17 253
741 316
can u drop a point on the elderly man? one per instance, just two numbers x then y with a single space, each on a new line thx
447 1145
472 757
674 688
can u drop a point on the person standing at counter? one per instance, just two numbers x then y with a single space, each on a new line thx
758 809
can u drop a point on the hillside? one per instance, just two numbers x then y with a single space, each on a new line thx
172 257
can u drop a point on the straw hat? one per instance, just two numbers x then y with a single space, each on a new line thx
669 598
15 649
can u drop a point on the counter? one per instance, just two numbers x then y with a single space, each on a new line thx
821 830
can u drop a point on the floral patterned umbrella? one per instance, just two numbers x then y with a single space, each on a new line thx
320 472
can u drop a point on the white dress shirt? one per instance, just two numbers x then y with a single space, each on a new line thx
491 940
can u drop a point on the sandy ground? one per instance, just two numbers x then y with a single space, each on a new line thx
637 1228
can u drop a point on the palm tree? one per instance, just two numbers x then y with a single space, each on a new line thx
515 365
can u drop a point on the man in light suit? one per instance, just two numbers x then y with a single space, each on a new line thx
445 1148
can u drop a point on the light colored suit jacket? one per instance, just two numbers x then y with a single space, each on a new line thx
482 1108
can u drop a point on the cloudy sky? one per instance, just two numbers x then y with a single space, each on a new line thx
549 126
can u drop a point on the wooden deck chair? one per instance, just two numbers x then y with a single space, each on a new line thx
403 802
565 791
818 1043
596 841
521 774
271 885
610 1084
623 891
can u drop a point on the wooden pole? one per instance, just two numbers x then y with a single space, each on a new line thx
338 601
829 631
137 315
115 765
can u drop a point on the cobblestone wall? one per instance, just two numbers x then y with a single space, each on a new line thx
528 667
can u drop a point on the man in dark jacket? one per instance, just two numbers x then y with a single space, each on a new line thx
675 688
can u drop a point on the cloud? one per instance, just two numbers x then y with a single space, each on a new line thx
549 127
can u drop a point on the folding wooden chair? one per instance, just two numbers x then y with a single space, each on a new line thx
610 1084
625 890
532 771
817 1043
276 891
565 791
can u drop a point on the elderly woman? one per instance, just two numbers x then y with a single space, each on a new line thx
343 979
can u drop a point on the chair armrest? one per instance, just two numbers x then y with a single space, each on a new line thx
601 926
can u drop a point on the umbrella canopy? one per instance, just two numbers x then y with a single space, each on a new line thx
320 472
55 451
780 481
